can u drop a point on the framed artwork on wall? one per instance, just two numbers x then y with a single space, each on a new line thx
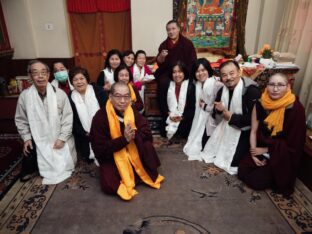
212 25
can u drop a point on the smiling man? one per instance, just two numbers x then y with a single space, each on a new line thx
175 48
233 105
122 143
44 119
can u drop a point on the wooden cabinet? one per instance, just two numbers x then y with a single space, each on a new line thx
7 114
150 100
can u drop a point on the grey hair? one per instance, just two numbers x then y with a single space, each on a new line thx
31 62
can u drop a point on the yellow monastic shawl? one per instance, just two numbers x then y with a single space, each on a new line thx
128 157
275 120
132 93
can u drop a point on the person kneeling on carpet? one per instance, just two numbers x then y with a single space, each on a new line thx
122 143
44 119
277 139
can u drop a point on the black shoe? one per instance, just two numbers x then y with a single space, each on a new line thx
27 177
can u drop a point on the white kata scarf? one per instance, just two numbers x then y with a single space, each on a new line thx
193 145
55 165
86 109
109 75
137 74
176 108
222 144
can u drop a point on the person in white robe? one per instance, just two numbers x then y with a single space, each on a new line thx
44 117
229 142
181 103
207 86
86 99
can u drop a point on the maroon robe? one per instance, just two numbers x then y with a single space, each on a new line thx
138 105
285 151
104 147
183 50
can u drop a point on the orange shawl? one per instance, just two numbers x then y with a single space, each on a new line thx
275 120
128 157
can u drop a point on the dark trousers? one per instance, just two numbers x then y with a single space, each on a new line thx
162 90
29 163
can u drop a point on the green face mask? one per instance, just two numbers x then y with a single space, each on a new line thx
61 76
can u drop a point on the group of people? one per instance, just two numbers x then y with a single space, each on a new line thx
226 120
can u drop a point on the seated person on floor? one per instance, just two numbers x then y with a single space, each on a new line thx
123 74
229 142
206 87
122 143
276 140
44 119
128 58
85 101
61 77
180 101
106 77
141 72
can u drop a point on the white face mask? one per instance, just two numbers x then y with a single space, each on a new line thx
61 76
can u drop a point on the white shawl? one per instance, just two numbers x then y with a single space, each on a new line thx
55 83
86 109
137 74
201 118
55 165
222 144
108 76
176 107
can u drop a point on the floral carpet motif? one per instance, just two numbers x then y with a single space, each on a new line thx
23 205
296 209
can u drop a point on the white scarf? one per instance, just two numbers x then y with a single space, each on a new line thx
55 83
193 145
137 74
55 165
109 76
222 144
86 109
176 108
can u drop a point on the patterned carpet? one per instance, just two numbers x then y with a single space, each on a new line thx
22 208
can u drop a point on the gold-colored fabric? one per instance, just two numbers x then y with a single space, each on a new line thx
132 93
275 119
128 157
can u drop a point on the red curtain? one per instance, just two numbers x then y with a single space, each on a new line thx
93 6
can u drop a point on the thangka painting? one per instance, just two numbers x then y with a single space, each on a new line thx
209 24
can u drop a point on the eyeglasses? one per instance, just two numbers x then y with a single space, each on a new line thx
120 97
37 73
278 85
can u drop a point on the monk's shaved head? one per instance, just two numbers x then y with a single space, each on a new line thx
117 85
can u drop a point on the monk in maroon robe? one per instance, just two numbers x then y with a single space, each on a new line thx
274 162
175 48
106 146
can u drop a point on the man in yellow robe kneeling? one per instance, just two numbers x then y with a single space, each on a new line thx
123 144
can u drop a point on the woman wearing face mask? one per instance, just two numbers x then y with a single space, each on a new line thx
276 139
85 100
128 58
207 87
61 77
141 72
122 73
181 102
106 77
